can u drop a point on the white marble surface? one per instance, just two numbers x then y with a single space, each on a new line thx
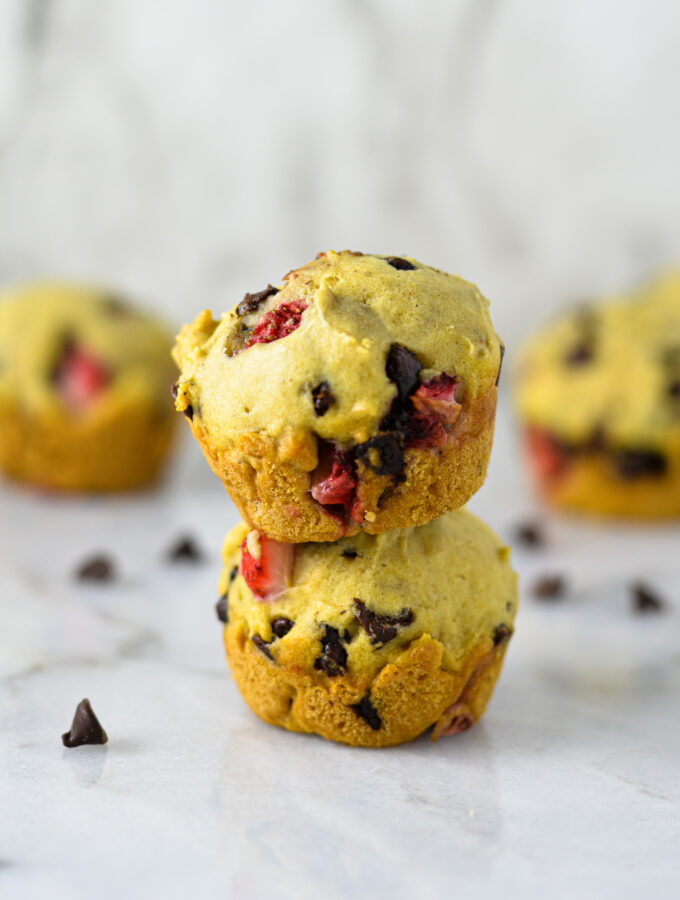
568 788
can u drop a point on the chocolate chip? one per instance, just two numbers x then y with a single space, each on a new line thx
632 464
251 301
500 364
398 263
173 390
85 729
388 450
262 646
185 550
348 553
222 609
117 306
550 587
233 573
333 659
580 354
644 599
380 629
281 626
322 398
98 568
402 367
189 412
365 709
674 390
530 534
501 633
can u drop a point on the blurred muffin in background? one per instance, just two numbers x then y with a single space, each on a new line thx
84 389
598 394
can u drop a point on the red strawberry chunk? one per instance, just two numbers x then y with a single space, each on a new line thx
277 323
266 566
546 457
334 482
435 407
79 377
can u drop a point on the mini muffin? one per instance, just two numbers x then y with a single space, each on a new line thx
84 389
598 392
359 395
372 639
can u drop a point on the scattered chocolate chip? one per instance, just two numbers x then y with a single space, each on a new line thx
644 599
550 587
173 390
189 412
580 354
388 450
222 609
500 365
501 633
333 659
98 568
380 629
322 398
398 263
530 534
251 301
233 573
631 464
674 390
85 729
402 367
348 553
365 709
185 550
262 646
281 626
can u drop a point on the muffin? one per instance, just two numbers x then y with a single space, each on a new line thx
84 389
360 394
372 639
598 392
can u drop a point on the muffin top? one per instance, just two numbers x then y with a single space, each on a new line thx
355 602
608 372
329 350
65 346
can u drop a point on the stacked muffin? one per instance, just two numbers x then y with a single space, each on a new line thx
350 413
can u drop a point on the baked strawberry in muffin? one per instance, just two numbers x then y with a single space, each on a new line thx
360 394
598 392
84 380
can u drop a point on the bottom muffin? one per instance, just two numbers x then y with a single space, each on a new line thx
373 639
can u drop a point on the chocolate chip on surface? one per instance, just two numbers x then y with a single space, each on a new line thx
97 568
398 263
631 464
549 587
383 454
86 728
262 646
185 550
222 609
189 412
501 633
530 534
644 599
281 625
402 367
322 398
174 387
380 629
365 710
349 553
580 354
251 302
333 659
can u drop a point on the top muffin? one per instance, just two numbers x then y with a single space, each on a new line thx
359 394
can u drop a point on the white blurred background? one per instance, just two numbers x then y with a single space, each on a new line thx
190 150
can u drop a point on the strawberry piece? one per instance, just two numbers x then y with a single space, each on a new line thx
79 377
266 566
277 323
546 456
435 407
334 481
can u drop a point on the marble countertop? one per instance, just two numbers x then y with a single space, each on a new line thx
568 788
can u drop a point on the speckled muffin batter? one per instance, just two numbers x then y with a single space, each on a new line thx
359 395
599 395
84 389
372 639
